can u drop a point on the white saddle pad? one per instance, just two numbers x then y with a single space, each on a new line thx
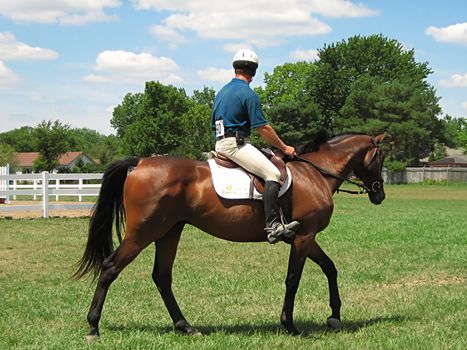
236 183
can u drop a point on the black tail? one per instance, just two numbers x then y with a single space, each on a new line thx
107 208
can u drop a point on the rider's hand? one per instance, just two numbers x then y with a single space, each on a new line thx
289 151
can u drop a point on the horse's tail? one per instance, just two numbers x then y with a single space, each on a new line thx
109 206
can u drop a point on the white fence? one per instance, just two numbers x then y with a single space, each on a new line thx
4 170
56 185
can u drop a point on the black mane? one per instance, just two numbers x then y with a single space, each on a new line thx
322 137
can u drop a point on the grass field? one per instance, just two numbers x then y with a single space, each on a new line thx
402 276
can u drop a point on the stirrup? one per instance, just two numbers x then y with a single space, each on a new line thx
278 232
293 226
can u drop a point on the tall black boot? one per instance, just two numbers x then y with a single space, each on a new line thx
275 229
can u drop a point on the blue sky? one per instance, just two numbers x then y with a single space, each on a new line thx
75 60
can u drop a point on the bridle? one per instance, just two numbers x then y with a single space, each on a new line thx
373 188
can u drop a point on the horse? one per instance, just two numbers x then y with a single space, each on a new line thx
156 196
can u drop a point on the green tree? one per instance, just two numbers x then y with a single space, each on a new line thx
197 135
288 104
108 150
405 110
7 155
85 140
151 123
456 132
51 140
372 84
21 139
204 97
128 112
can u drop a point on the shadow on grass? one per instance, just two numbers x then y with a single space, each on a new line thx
308 328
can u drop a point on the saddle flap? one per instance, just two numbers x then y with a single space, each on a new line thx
223 161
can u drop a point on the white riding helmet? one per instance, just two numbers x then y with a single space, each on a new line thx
247 60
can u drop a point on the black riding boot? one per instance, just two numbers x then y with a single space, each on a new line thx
275 229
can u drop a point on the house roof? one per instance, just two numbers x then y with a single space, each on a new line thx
26 159
453 161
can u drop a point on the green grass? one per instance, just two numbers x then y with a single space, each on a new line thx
402 277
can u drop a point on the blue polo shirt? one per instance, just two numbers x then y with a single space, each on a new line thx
239 107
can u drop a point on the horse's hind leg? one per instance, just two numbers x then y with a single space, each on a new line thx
111 268
319 257
166 250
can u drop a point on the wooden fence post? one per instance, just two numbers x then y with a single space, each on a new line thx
45 194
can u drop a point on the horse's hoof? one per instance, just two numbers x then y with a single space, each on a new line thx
334 324
192 332
185 328
290 328
91 338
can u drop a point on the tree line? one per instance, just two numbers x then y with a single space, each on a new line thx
362 84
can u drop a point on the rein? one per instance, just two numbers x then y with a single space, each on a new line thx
363 188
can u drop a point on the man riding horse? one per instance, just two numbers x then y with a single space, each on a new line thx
237 109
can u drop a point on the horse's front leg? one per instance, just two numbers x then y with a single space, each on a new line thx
297 259
319 257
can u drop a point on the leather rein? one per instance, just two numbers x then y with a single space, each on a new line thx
375 186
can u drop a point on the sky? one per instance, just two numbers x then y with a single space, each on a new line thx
75 60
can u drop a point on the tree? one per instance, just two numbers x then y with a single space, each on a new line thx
108 150
128 112
21 139
151 123
85 140
287 102
204 97
197 136
456 132
50 139
372 84
7 155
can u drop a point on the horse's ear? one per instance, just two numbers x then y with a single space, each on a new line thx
379 138
369 156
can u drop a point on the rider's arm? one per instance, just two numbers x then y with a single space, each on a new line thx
271 137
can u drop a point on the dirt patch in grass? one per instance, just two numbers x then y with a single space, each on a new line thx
441 281
33 214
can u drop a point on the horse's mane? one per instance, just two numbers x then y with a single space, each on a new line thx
321 137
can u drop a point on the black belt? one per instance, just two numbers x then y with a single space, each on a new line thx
227 134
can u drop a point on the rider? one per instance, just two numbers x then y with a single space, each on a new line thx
236 111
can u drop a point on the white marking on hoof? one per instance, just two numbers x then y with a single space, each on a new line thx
91 338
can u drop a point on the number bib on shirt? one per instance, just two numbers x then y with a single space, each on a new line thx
219 128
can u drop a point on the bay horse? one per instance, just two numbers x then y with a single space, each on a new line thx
157 196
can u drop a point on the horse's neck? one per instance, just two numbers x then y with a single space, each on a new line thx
339 161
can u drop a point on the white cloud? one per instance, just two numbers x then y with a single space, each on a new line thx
456 80
341 8
234 47
216 74
464 105
132 68
456 33
7 77
58 11
11 49
305 55
258 23
167 34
